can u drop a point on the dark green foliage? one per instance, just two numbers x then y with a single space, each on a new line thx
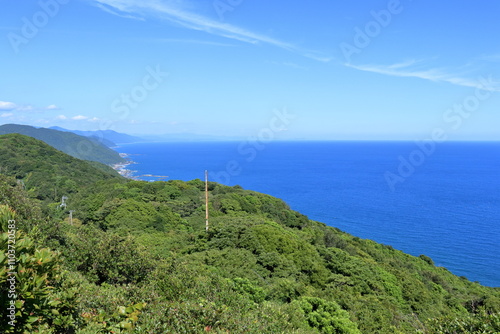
427 259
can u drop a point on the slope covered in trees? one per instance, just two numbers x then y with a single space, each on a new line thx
136 258
45 172
77 146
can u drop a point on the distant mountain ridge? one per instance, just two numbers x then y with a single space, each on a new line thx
77 146
109 138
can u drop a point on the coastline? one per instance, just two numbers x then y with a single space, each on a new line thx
122 167
123 170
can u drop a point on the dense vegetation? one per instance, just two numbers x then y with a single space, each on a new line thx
136 258
77 146
46 173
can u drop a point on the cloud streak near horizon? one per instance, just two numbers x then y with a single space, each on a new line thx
11 106
410 70
173 13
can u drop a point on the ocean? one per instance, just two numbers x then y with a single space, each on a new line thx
441 200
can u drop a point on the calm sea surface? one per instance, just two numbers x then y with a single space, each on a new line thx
444 203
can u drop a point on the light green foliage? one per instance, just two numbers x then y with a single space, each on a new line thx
326 316
246 287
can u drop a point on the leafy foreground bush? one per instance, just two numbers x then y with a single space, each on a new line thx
26 275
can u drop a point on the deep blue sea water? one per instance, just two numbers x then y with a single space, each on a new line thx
444 204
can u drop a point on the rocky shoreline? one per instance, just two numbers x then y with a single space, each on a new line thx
122 167
123 170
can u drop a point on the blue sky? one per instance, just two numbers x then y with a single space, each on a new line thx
379 70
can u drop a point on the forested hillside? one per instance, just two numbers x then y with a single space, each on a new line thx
45 172
77 146
135 258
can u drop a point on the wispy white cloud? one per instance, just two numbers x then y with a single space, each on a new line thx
52 107
491 58
7 114
175 12
189 41
27 108
416 69
7 106
76 118
108 10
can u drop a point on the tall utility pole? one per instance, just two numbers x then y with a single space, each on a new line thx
71 216
206 200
